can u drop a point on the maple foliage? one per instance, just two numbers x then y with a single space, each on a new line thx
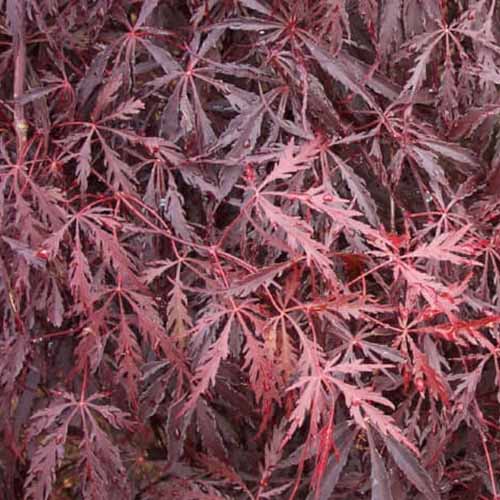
249 249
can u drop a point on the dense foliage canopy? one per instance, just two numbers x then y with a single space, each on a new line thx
249 249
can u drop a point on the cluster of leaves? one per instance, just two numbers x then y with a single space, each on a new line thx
250 249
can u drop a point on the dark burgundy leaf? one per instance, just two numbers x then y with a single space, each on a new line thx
411 468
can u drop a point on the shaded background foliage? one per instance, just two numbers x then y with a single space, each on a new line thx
249 249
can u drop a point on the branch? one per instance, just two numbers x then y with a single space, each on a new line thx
18 32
